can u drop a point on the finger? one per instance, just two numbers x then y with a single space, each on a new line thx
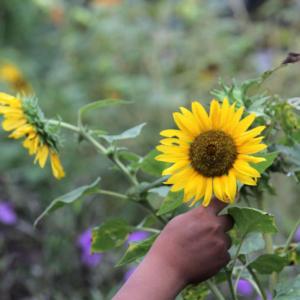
226 222
215 206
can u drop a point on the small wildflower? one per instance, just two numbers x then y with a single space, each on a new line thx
245 288
7 213
137 236
24 118
297 235
84 242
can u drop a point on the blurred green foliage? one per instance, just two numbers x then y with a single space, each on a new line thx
159 54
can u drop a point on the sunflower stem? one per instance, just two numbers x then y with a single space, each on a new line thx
215 290
268 242
291 235
102 149
230 283
112 194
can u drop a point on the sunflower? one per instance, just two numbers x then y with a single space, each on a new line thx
11 74
25 120
211 153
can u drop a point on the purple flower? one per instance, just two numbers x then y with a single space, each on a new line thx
297 235
245 288
7 213
129 273
84 242
137 236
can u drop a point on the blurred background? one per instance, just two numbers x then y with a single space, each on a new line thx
158 54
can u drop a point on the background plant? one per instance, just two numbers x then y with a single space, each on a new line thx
81 53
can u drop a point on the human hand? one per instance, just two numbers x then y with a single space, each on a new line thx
195 244
191 248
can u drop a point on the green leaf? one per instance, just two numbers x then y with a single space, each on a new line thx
253 242
127 134
99 105
171 202
151 166
263 166
195 292
136 251
69 198
252 220
111 234
269 263
288 290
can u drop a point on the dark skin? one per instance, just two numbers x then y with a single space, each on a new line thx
191 248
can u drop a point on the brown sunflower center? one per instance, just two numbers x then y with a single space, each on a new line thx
213 153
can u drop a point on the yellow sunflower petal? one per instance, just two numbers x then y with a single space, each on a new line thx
214 115
172 157
186 124
244 178
248 135
21 131
9 100
182 180
11 124
218 187
190 188
249 158
244 124
201 116
56 166
245 149
190 116
177 133
208 192
235 120
173 149
225 110
245 168
230 185
173 142
175 167
42 155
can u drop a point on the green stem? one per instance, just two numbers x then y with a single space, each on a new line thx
215 290
153 230
256 280
112 194
268 242
230 284
124 169
86 135
154 184
258 283
291 235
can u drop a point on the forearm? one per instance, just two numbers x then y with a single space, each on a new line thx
152 280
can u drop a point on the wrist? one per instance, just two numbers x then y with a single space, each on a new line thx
172 277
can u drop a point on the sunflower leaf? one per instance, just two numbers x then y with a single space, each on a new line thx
171 202
136 251
151 166
263 166
269 263
69 198
127 134
111 234
288 290
249 220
